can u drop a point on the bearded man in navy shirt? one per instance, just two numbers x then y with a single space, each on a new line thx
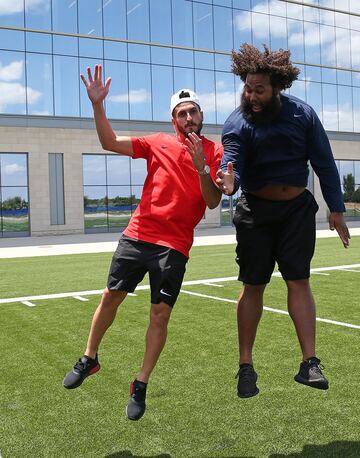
268 143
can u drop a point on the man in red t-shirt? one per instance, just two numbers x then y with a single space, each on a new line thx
179 185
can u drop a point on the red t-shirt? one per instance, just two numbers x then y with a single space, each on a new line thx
171 204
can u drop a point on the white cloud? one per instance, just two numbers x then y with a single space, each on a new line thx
17 6
11 169
225 102
14 93
134 97
11 72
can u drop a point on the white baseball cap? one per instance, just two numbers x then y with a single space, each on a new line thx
184 95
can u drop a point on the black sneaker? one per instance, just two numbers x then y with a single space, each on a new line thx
136 405
83 368
310 374
246 387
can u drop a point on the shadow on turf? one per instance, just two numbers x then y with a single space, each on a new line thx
338 449
128 454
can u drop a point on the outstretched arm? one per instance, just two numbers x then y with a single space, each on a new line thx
337 222
97 91
210 192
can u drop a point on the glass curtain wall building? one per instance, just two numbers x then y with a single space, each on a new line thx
151 48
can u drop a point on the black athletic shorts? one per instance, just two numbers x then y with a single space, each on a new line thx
134 258
269 231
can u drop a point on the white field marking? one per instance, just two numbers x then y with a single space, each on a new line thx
319 273
142 287
214 284
132 294
28 303
351 270
269 309
80 298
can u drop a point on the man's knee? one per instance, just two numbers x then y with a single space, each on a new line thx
112 298
160 314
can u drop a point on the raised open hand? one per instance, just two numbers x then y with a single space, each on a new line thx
96 90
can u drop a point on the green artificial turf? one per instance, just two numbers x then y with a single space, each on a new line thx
192 407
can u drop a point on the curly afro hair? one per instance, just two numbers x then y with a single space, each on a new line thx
276 64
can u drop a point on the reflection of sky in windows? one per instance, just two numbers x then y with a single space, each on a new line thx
9 193
13 169
323 38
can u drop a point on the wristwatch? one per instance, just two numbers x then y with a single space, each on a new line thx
205 170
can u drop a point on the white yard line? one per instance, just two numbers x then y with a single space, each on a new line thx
269 309
80 298
28 303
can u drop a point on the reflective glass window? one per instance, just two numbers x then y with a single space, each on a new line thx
296 39
183 58
330 107
13 168
64 19
298 89
12 40
222 2
356 105
38 42
139 53
14 210
344 77
327 16
242 4
277 9
223 29
95 209
313 97
118 170
342 20
12 13
89 47
138 169
94 169
12 83
115 50
260 29
66 86
38 14
327 45
242 28
311 14
312 42
278 33
114 17
204 60
160 21
90 23
86 110
203 26
205 89
356 78
140 92
343 47
117 101
162 90
328 75
355 44
225 96
184 78
39 84
161 55
357 173
182 23
345 109
223 62
294 11
260 6
138 20
313 73
119 206
136 192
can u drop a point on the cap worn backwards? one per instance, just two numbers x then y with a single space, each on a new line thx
184 95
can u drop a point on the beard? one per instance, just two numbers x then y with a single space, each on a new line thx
196 128
268 113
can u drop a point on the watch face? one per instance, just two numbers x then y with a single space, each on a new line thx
206 169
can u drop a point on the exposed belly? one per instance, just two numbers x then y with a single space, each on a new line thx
278 192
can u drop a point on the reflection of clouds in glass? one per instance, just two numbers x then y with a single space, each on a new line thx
11 169
17 6
134 96
14 93
242 22
224 102
11 72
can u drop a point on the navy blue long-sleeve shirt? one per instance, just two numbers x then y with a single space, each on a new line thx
279 152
